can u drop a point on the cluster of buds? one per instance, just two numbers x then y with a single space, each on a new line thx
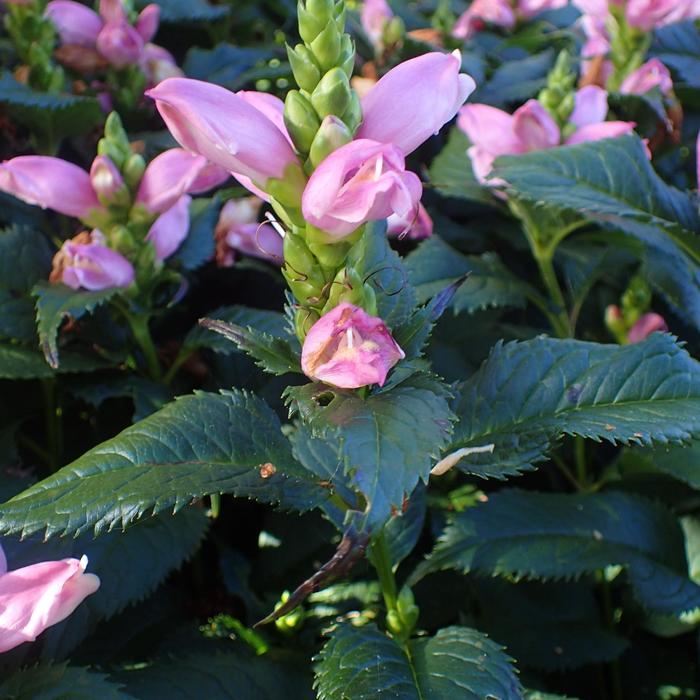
136 215
328 163
559 116
113 47
34 39
500 13
632 321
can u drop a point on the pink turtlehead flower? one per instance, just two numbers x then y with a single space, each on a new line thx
496 133
415 100
362 181
531 8
38 596
113 37
374 17
105 178
239 231
85 262
50 183
415 228
647 77
646 325
226 128
349 349
499 13
170 229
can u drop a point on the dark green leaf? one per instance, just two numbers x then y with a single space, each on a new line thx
185 11
25 258
60 682
198 247
528 394
517 80
18 362
678 47
56 302
225 64
680 462
197 445
435 264
451 172
358 663
17 318
539 535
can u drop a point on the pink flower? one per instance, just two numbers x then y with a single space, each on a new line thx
158 64
361 181
147 22
500 13
349 349
170 229
75 23
374 17
530 8
646 325
649 14
238 230
50 183
415 228
648 76
414 100
85 262
225 128
120 44
105 178
496 133
36 597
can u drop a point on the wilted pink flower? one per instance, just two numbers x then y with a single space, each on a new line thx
36 597
239 230
415 100
362 181
417 227
496 133
648 76
349 349
50 183
170 229
645 326
225 128
374 17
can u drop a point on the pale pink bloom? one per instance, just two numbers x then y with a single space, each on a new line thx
170 229
272 107
167 177
50 183
105 177
499 13
649 14
530 8
646 325
374 17
360 182
417 227
38 596
158 64
647 77
93 266
414 100
75 23
349 349
496 133
239 230
225 128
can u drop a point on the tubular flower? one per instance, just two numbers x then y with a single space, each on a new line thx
361 181
496 133
646 325
238 230
650 75
415 228
229 129
500 13
170 229
349 349
36 597
85 262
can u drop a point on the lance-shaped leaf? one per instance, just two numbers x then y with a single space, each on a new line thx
387 441
201 444
678 47
456 663
487 283
55 303
528 394
538 535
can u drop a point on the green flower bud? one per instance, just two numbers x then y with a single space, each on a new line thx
133 170
302 270
114 132
122 240
108 148
301 120
289 188
637 296
303 320
346 60
353 114
304 66
394 31
408 610
327 45
322 10
349 287
393 622
310 26
333 95
331 135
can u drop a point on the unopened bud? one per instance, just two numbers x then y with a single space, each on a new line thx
108 183
310 26
346 61
615 322
323 10
327 45
331 135
301 120
353 114
304 66
133 169
114 131
122 240
333 94
394 31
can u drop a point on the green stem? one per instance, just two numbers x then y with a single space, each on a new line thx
180 360
580 458
381 559
559 319
142 335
